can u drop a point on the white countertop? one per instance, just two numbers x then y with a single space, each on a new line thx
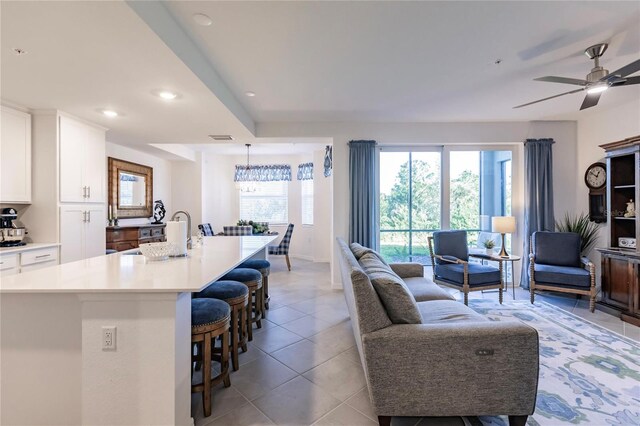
29 246
121 273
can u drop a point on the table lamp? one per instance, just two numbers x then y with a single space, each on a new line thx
503 225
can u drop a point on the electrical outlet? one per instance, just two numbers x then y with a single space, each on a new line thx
109 337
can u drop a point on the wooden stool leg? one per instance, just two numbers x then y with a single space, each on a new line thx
233 331
248 321
206 375
258 307
242 327
265 290
288 262
225 359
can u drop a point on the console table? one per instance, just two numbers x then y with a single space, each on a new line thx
122 238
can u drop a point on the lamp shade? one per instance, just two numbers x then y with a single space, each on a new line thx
503 224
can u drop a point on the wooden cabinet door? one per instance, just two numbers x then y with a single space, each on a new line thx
15 157
72 223
635 288
95 165
94 235
73 137
616 284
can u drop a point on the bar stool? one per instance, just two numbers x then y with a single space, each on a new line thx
264 267
210 320
252 279
236 295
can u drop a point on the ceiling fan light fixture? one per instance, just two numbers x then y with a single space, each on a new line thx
598 88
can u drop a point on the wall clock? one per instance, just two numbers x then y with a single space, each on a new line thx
596 179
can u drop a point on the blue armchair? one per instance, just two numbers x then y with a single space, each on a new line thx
451 267
556 265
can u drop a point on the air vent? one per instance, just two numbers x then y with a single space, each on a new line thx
221 137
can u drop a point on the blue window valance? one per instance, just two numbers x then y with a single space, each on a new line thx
305 171
263 173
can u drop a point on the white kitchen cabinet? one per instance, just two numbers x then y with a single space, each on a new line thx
15 156
9 264
82 231
82 162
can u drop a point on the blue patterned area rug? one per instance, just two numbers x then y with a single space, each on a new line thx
588 374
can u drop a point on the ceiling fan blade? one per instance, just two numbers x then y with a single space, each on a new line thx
625 81
590 100
564 80
624 71
550 97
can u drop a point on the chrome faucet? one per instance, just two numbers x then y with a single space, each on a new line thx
189 243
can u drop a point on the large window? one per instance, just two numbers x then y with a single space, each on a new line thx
268 203
306 193
413 205
409 204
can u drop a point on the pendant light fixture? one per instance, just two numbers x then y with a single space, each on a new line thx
246 185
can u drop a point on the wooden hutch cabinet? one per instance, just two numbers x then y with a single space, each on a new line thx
621 263
122 238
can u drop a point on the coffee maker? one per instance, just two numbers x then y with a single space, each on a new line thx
11 235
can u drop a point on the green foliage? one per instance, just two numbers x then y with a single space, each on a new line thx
258 228
580 224
489 243
394 208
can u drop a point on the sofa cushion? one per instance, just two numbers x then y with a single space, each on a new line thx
423 289
478 274
451 243
557 248
360 250
393 292
562 275
447 311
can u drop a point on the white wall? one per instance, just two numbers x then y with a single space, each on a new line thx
187 190
221 204
485 133
161 176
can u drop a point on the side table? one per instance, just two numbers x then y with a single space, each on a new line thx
482 254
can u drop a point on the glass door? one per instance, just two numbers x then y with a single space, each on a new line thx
410 204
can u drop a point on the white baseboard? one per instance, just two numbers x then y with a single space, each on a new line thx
301 257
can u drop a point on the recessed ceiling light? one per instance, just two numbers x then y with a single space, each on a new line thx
250 94
167 95
202 19
18 51
109 113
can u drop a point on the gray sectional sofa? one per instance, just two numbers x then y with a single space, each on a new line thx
450 361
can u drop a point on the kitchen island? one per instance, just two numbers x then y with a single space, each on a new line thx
54 369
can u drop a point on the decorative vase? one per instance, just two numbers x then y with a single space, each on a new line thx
489 251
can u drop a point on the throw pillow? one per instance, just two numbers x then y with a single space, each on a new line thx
360 250
398 301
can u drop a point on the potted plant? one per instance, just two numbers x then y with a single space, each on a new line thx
489 245
581 225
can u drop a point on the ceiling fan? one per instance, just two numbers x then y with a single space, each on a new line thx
597 81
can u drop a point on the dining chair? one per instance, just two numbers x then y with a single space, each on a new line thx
282 249
206 229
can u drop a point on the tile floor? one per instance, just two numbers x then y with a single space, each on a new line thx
303 368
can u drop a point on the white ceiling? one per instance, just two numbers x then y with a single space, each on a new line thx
306 61
266 146
86 56
409 61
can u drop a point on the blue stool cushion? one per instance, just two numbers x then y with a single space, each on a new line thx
243 275
257 264
223 290
206 311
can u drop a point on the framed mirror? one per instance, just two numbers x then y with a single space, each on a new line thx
130 189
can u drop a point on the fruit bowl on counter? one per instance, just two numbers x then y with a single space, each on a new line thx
157 251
